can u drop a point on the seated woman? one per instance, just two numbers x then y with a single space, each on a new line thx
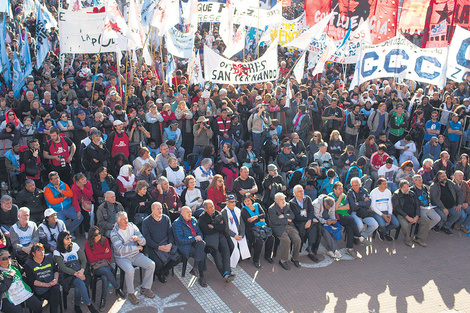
175 175
72 262
216 192
406 172
204 174
368 147
228 161
98 253
14 290
144 157
427 172
254 216
146 174
140 202
83 198
42 274
249 158
192 197
126 180
118 161
102 182
323 157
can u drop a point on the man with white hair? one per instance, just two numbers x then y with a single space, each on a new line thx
106 212
23 235
128 244
359 202
324 212
282 224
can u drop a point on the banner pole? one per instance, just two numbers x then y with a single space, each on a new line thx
96 71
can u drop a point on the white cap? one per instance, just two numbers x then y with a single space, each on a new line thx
49 212
259 98
117 122
159 101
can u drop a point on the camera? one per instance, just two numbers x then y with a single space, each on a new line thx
62 160
138 122
362 116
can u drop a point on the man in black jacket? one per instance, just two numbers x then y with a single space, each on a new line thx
287 160
408 211
212 227
305 221
96 153
32 198
282 224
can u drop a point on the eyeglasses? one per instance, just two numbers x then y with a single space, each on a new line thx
11 114
5 258
68 238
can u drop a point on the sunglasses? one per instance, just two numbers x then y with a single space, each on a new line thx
68 238
5 258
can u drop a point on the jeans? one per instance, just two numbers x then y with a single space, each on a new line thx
351 229
383 227
71 214
257 141
433 217
127 265
106 277
369 221
464 217
392 187
450 219
81 292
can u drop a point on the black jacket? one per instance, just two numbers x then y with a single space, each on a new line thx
33 200
92 151
398 201
97 188
296 209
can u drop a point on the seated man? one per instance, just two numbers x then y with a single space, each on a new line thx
406 207
287 161
59 197
408 149
23 235
106 213
8 216
388 171
188 240
244 184
464 222
357 171
324 210
32 198
128 244
49 230
305 222
282 224
156 229
378 159
167 195
422 192
381 204
212 226
359 203
447 198
235 231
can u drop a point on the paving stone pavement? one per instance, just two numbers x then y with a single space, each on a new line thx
387 277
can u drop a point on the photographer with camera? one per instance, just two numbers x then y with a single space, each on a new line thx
258 123
353 123
137 135
60 150
202 134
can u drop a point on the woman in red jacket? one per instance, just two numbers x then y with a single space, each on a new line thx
216 192
83 199
98 253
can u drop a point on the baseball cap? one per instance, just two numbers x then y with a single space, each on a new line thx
159 101
231 198
81 112
118 122
286 145
118 107
259 98
49 212
113 92
272 167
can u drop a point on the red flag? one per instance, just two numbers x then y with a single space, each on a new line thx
383 18
413 15
438 12
315 10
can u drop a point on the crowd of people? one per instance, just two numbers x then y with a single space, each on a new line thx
154 174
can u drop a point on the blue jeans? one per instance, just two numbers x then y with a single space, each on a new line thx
81 292
71 214
392 187
106 278
465 217
383 227
257 141
369 221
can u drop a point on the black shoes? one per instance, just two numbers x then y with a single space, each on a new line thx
270 260
77 309
296 263
202 282
161 278
257 264
435 228
380 236
313 257
388 237
121 293
102 304
284 265
194 271
447 231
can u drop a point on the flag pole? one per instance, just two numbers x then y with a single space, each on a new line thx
96 71
142 54
293 67
161 62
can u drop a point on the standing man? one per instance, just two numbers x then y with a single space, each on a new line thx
60 151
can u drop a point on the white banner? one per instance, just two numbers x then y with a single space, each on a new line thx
179 44
458 61
218 69
289 30
400 58
252 17
78 36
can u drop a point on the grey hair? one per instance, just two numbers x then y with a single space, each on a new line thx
47 93
278 195
328 201
206 161
119 214
206 203
108 193
357 179
297 187
415 178
222 91
29 181
162 179
155 204
23 209
5 198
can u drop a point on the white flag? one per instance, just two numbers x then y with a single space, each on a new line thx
190 13
226 23
304 40
114 23
166 15
135 27
321 62
299 68
237 43
288 94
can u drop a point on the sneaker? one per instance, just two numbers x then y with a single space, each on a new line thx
381 236
352 253
148 293
388 237
229 277
331 254
132 298
338 255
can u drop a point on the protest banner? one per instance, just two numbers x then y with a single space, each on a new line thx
289 29
180 44
218 69
458 64
400 58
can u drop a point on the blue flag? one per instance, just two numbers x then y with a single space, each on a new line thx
146 14
4 56
42 42
170 68
5 7
22 66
